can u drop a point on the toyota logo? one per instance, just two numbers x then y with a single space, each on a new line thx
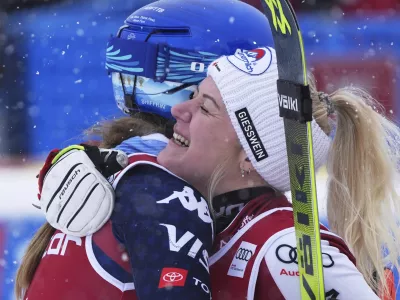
244 254
290 255
172 277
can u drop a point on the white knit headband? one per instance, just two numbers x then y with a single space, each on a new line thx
247 83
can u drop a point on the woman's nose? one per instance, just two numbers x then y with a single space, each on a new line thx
182 111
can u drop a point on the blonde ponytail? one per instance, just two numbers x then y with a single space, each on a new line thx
363 206
32 258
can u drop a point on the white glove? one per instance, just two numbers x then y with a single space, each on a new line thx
75 197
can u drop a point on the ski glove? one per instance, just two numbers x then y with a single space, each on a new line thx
74 193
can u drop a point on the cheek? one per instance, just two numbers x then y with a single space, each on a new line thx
223 136
216 140
205 135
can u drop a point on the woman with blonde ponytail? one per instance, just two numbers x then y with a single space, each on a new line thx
363 205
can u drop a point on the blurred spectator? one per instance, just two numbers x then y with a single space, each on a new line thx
368 5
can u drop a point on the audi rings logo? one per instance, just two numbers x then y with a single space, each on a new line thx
244 254
172 277
288 255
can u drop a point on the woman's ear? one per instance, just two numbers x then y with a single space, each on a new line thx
245 164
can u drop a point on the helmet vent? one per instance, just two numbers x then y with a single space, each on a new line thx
162 31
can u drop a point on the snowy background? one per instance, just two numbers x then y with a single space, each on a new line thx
53 84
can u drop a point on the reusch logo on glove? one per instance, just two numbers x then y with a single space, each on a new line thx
65 188
253 62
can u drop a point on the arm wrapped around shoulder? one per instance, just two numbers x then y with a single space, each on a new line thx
74 193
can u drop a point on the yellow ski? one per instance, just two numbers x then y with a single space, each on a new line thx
295 106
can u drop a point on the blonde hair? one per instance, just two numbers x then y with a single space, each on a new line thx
112 133
362 203
32 258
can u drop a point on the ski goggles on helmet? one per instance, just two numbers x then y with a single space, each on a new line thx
136 93
152 77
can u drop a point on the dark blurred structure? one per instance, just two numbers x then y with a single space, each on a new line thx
13 139
10 5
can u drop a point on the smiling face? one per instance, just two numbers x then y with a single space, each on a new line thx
204 138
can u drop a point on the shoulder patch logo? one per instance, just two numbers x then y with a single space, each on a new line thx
253 62
242 256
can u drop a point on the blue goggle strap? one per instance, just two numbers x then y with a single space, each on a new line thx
157 61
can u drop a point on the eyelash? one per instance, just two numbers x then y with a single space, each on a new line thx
204 110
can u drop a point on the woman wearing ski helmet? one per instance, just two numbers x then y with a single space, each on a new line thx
156 60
